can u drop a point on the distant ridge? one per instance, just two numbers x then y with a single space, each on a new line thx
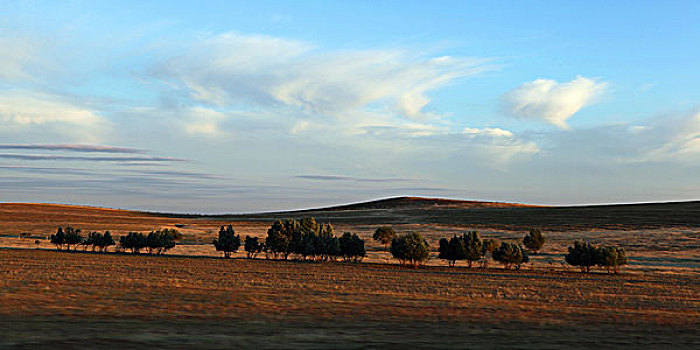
41 218
406 202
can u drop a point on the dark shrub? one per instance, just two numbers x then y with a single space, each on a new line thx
534 240
352 247
411 249
510 254
228 241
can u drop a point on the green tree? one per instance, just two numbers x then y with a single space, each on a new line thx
252 247
279 237
92 240
228 241
328 245
384 235
73 236
411 249
473 247
59 239
534 240
489 245
583 255
510 254
468 247
352 247
106 241
160 241
134 241
611 257
452 250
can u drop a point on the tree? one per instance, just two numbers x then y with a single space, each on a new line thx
228 241
488 246
160 241
134 241
473 247
384 235
534 240
328 246
279 236
106 241
73 237
452 250
252 247
610 257
352 247
411 249
92 240
510 254
468 247
177 235
583 255
58 239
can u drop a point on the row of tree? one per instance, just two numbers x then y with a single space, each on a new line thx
304 239
72 237
585 254
156 242
413 250
470 247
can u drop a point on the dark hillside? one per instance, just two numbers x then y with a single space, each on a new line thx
414 210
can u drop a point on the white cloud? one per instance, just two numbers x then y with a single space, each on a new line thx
498 132
492 148
551 101
679 140
203 121
497 148
26 109
266 72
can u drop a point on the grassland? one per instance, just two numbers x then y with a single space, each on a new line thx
61 300
190 299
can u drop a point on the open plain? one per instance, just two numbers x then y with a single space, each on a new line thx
64 299
192 298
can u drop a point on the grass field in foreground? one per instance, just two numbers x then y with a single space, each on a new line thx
58 300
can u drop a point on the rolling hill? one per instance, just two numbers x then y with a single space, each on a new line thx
417 210
26 217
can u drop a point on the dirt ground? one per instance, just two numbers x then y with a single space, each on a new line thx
193 299
65 300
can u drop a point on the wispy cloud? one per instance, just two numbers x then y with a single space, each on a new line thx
47 170
349 178
38 157
255 71
18 52
178 173
551 101
74 148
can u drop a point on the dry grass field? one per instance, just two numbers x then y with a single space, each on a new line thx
190 298
65 299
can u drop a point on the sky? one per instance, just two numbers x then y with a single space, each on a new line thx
242 106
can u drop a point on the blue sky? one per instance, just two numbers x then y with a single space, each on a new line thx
239 106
